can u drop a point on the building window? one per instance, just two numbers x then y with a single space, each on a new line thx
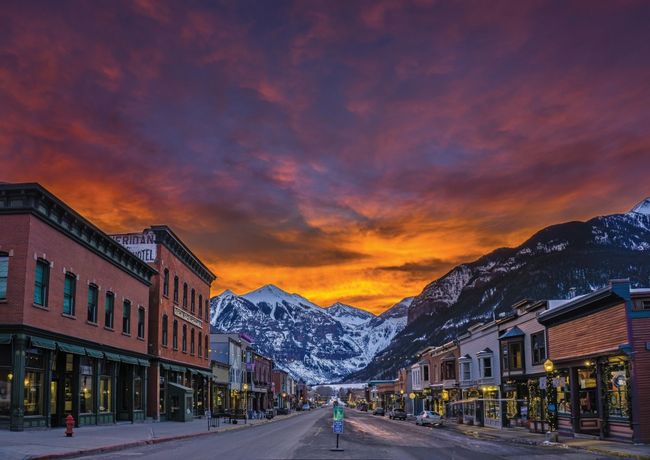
175 289
192 342
41 282
466 370
200 342
166 283
109 307
512 356
200 306
175 335
34 382
105 386
164 330
137 389
207 310
538 347
485 364
69 290
85 385
93 293
617 396
4 274
185 296
425 373
141 322
126 317
193 301
184 338
206 346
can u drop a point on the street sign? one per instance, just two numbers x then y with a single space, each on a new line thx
338 413
337 426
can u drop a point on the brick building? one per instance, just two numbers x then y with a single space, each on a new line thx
599 345
74 314
179 323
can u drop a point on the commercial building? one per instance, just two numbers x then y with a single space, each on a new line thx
599 372
442 382
230 349
74 317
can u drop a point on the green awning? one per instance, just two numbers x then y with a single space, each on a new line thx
144 362
43 343
129 360
112 356
178 368
193 371
66 347
94 353
205 374
165 366
5 339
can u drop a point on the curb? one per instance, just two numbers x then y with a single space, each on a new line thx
133 444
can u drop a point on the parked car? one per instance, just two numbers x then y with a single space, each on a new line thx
397 414
378 411
306 407
428 417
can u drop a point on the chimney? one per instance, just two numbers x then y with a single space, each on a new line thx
572 293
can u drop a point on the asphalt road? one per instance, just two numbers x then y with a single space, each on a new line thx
309 436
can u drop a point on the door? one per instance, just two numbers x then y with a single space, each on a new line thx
54 410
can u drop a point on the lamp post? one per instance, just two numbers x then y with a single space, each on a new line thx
401 392
551 399
245 388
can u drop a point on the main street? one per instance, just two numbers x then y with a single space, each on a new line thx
309 436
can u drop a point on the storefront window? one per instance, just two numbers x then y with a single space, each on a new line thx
34 382
162 405
563 392
5 390
85 386
588 389
105 386
137 389
617 395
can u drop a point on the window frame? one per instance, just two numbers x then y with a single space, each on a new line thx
175 335
72 278
92 307
4 280
176 289
184 296
184 339
141 322
126 317
44 285
166 283
109 325
192 342
193 301
165 332
533 349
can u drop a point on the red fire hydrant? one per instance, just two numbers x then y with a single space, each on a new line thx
69 425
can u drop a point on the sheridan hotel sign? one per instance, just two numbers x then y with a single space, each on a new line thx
178 311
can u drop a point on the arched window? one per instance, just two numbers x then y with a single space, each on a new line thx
166 283
184 338
200 350
4 274
175 335
141 316
192 341
200 306
176 289
193 301
207 336
185 296
164 330
207 310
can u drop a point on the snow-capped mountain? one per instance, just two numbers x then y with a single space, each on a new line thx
313 343
580 256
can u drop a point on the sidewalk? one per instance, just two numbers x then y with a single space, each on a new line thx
523 436
52 443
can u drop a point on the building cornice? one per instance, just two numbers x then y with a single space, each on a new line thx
33 199
166 237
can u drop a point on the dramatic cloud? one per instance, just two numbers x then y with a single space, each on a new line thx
348 151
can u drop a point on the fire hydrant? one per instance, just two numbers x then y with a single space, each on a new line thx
69 425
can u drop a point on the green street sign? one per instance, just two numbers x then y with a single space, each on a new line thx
338 413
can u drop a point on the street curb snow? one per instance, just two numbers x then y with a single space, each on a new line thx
145 442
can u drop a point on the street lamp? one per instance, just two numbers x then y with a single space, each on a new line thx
401 392
245 388
551 398
548 366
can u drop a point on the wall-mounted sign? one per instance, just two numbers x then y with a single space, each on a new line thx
178 311
142 245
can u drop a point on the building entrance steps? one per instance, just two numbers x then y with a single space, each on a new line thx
51 443
523 436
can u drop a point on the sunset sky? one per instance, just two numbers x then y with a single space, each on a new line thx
344 150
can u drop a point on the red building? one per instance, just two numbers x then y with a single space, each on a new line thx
599 345
74 317
179 323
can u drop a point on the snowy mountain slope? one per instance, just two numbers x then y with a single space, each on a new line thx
580 255
314 343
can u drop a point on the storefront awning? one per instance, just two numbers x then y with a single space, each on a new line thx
178 368
144 362
94 353
5 339
43 343
129 360
205 374
112 356
165 366
67 348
